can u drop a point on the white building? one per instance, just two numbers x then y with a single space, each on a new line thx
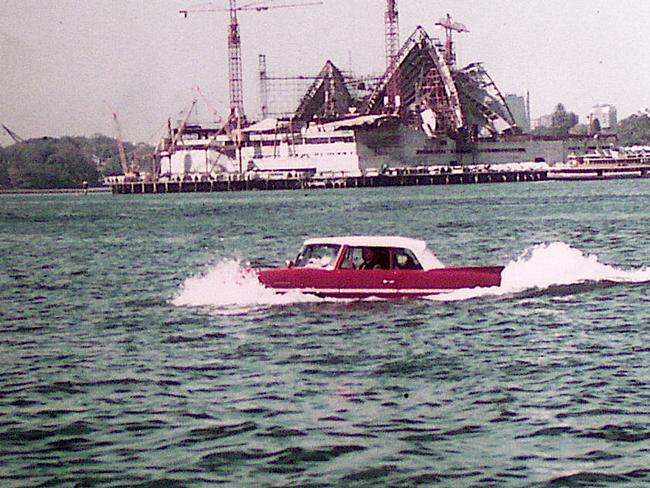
605 114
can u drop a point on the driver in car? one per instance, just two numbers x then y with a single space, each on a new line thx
371 259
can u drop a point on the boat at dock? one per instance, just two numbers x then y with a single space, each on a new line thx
621 163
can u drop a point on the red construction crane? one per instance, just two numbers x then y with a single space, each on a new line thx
237 117
391 19
450 27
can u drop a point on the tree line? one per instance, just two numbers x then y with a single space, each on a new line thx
635 130
66 162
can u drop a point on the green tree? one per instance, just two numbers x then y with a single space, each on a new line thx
579 130
561 123
5 182
49 163
594 126
64 163
635 130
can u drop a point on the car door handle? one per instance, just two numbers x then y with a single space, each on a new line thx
388 282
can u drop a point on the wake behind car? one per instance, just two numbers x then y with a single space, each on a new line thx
373 266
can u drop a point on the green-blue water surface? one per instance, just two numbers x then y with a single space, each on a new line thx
105 382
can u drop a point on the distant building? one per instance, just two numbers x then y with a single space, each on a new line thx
605 114
543 121
519 108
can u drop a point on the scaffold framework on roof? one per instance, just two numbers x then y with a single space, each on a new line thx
462 103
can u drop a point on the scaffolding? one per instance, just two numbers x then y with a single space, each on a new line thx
421 85
280 96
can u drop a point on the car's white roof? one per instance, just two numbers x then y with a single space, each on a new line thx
373 241
417 246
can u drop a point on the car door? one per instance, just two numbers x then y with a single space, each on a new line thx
410 279
323 282
356 282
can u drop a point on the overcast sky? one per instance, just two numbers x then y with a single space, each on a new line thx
67 64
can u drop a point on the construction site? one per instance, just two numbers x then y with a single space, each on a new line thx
423 115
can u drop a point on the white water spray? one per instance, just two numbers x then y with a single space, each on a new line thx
548 265
229 287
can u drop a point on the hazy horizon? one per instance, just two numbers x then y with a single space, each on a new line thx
68 65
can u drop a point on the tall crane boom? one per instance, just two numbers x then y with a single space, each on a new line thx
15 137
178 135
393 95
235 67
450 26
392 32
120 146
237 117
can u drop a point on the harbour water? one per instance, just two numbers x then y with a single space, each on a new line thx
137 351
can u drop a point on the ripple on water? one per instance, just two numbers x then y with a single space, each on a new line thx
105 382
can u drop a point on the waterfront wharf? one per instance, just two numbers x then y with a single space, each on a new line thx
600 172
236 183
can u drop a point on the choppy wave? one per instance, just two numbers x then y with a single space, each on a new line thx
231 287
104 385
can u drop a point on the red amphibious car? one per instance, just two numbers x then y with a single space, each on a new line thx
373 266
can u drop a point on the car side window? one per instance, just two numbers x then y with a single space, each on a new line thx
375 258
404 259
366 258
352 259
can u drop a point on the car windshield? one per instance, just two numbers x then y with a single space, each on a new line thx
321 256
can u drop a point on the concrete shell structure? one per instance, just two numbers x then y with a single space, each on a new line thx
422 112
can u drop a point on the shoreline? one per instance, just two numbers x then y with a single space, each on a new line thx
31 191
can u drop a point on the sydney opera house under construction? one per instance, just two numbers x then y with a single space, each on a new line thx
423 112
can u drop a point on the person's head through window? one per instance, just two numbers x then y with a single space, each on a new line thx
371 258
367 255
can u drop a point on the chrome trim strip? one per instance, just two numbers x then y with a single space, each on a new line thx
342 291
